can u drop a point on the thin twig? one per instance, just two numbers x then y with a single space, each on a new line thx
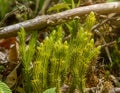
103 22
93 89
94 29
106 48
108 44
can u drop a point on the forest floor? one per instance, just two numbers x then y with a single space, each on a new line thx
103 75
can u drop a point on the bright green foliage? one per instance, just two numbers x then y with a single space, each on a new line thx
90 21
50 62
4 88
72 3
81 52
26 53
73 27
56 59
59 7
67 4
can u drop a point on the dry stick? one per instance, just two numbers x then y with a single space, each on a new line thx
99 24
94 29
106 48
93 89
41 22
108 44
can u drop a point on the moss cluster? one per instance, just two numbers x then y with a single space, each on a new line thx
59 62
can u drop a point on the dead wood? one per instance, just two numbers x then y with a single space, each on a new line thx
41 22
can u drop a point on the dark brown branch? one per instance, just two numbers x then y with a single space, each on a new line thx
41 22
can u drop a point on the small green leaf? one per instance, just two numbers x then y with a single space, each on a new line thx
58 7
4 88
51 90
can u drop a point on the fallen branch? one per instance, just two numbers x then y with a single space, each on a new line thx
41 22
93 90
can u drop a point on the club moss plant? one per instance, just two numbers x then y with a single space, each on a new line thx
26 56
58 62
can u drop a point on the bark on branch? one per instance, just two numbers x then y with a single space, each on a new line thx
41 22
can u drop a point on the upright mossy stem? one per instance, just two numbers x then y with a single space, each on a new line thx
51 54
81 52
26 56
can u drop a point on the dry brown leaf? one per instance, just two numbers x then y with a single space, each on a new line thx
5 43
13 53
11 78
